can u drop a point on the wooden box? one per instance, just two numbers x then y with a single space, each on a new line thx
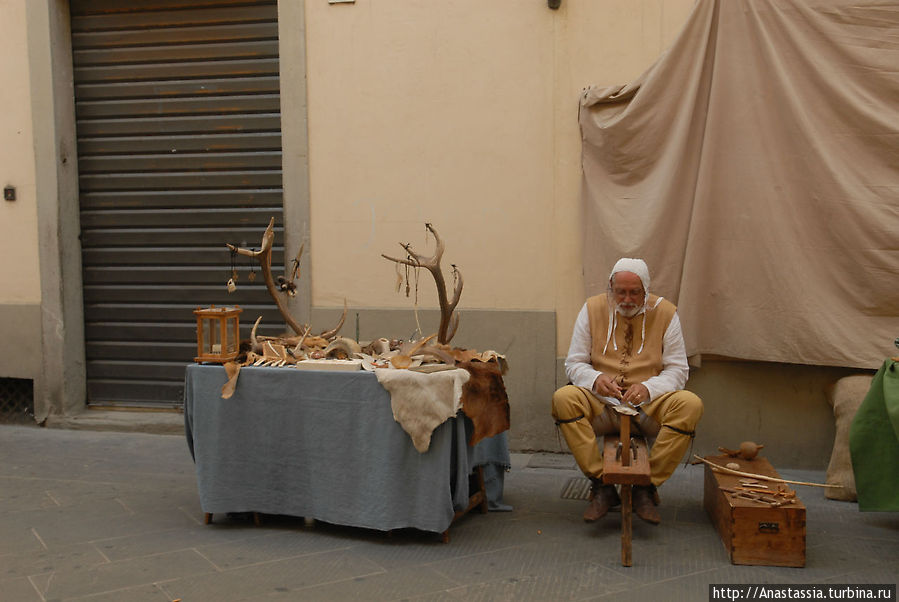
754 533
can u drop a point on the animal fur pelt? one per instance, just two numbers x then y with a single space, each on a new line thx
484 400
422 402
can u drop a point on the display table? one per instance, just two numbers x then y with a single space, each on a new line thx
324 445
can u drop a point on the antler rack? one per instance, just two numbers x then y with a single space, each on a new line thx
264 257
448 323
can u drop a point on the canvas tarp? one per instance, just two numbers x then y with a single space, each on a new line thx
755 166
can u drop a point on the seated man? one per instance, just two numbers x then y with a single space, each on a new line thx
627 347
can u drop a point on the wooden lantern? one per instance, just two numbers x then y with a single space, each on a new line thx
218 334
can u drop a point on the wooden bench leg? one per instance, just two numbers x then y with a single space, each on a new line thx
626 516
207 518
629 468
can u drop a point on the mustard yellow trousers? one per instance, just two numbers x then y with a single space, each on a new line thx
578 412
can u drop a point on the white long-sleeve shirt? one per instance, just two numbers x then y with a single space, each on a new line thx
675 369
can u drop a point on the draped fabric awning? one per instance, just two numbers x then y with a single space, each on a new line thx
755 166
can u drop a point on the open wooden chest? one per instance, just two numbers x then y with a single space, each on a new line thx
755 532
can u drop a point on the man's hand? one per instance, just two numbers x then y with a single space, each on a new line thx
606 386
636 394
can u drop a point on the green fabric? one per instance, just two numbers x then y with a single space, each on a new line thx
874 443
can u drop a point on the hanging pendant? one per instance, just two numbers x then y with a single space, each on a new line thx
232 282
408 288
399 278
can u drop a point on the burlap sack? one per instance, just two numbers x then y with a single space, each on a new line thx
845 396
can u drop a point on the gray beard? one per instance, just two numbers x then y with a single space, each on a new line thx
628 313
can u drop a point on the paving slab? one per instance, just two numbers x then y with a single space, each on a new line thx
111 576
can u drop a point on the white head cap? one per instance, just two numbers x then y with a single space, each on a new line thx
635 266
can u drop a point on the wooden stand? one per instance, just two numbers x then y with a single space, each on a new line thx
476 500
625 463
257 519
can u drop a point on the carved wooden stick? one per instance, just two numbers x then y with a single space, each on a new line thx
726 470
432 264
264 257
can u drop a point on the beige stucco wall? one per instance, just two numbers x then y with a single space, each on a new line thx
462 114
19 270
20 285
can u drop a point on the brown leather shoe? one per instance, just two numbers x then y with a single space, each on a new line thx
644 503
603 498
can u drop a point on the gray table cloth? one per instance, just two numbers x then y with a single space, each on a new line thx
324 445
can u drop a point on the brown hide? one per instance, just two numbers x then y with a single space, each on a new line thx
484 399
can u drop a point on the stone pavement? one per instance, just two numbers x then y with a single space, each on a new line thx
106 516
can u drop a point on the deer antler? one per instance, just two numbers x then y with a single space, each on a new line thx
328 334
432 264
264 257
253 340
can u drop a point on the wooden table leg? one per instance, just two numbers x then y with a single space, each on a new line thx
626 516
482 489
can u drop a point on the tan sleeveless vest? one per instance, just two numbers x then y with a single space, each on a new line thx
624 362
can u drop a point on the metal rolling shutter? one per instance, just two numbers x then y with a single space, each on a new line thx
179 151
